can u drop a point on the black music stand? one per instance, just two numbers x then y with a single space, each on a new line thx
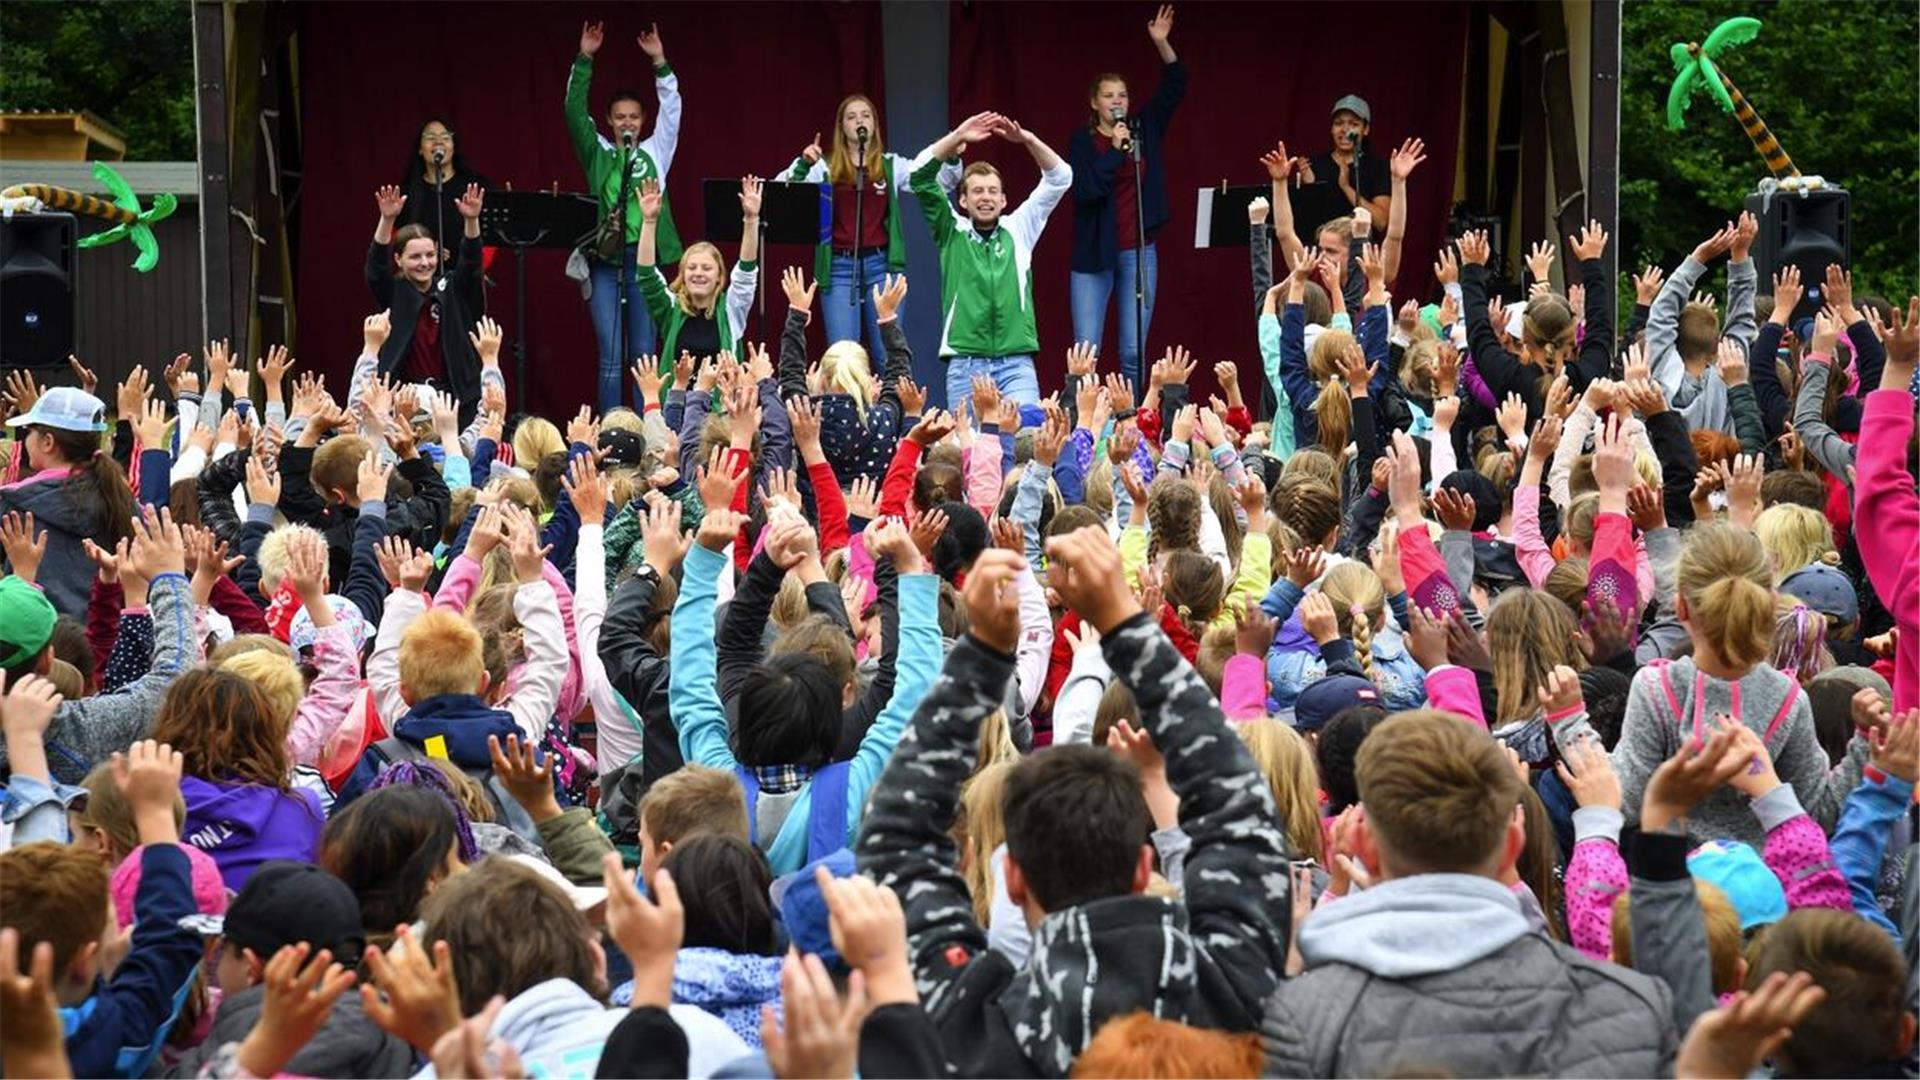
1221 218
1313 206
529 219
789 214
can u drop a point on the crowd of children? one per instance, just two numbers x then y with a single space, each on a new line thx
1523 694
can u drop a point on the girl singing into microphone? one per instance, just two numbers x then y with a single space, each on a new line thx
437 157
1115 215
874 246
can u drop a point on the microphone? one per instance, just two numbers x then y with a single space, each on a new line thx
860 134
626 140
439 156
1119 116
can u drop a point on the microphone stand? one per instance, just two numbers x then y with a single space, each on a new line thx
440 217
1135 151
859 297
620 263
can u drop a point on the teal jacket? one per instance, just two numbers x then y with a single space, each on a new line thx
698 716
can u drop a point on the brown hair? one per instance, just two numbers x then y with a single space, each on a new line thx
97 481
1194 587
54 893
1727 583
109 811
978 168
1724 939
511 931
1792 487
1173 515
1308 506
225 729
840 163
825 639
1539 860
1548 326
692 800
336 464
1117 704
1529 634
441 652
1439 793
1093 90
1140 1045
1864 975
406 234
1286 761
1699 335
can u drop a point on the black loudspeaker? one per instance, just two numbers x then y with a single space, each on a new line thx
1810 231
36 289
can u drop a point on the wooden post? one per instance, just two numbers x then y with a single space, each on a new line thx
210 122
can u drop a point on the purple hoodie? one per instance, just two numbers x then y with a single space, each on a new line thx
244 825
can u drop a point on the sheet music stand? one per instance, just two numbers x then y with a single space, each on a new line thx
789 214
1221 219
528 219
1313 206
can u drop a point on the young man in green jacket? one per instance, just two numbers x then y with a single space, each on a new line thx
986 259
646 159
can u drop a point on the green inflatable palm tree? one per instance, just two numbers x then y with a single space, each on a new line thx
1695 70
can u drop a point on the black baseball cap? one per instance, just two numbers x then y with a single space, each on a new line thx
286 903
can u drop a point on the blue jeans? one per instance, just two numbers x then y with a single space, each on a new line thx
1014 375
604 307
836 306
1089 300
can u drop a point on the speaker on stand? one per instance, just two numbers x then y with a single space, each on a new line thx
37 290
1810 230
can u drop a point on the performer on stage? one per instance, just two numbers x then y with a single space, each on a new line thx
645 159
429 323
1361 177
880 247
1111 250
437 157
689 312
986 260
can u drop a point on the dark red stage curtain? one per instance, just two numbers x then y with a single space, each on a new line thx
758 80
1257 74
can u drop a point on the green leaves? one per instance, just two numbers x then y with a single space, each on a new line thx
129 62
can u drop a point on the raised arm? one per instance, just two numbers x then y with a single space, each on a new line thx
1280 170
1408 157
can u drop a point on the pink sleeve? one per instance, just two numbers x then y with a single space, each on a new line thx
1611 568
571 690
1426 573
457 585
983 475
1885 496
1243 687
329 696
1643 573
1529 546
1454 689
1595 875
1798 855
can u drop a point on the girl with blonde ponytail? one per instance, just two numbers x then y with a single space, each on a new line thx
1727 604
1360 613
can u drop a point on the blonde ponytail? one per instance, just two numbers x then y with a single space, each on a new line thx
1726 579
846 369
1358 600
1334 413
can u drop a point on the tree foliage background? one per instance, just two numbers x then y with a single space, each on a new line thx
1839 84
129 62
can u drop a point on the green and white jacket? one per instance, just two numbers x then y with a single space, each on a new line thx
986 282
899 177
651 159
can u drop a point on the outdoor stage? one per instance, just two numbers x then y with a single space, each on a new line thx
759 79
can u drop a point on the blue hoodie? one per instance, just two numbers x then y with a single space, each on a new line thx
463 722
118 1030
244 825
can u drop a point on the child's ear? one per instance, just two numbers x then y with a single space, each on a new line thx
256 967
1143 870
486 683
85 963
409 696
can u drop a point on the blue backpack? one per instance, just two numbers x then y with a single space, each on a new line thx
826 814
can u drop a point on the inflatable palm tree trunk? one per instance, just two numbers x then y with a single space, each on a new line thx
1695 69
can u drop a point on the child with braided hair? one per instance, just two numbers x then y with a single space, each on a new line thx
1357 600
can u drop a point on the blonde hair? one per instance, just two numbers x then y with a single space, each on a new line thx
1727 584
996 741
1286 760
533 440
621 418
1795 536
1420 360
846 369
1581 513
982 810
1529 634
1359 601
679 287
1725 941
1323 359
273 553
1333 416
336 465
441 653
840 162
789 604
274 674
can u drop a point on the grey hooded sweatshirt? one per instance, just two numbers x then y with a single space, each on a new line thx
1442 971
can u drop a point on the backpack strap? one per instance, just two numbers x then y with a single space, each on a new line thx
827 813
751 786
1793 695
1666 684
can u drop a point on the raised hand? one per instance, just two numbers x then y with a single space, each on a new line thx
651 44
526 775
820 1035
1473 247
648 928
1646 285
1689 776
891 539
1091 580
416 998
718 481
1406 159
1540 260
1455 509
1744 231
1735 1039
650 199
1715 246
992 597
1081 357
390 201
751 188
300 996
24 547
800 292
1589 243
812 154
375 329
1903 348
933 427
470 202
148 777
592 34
1279 165
887 300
